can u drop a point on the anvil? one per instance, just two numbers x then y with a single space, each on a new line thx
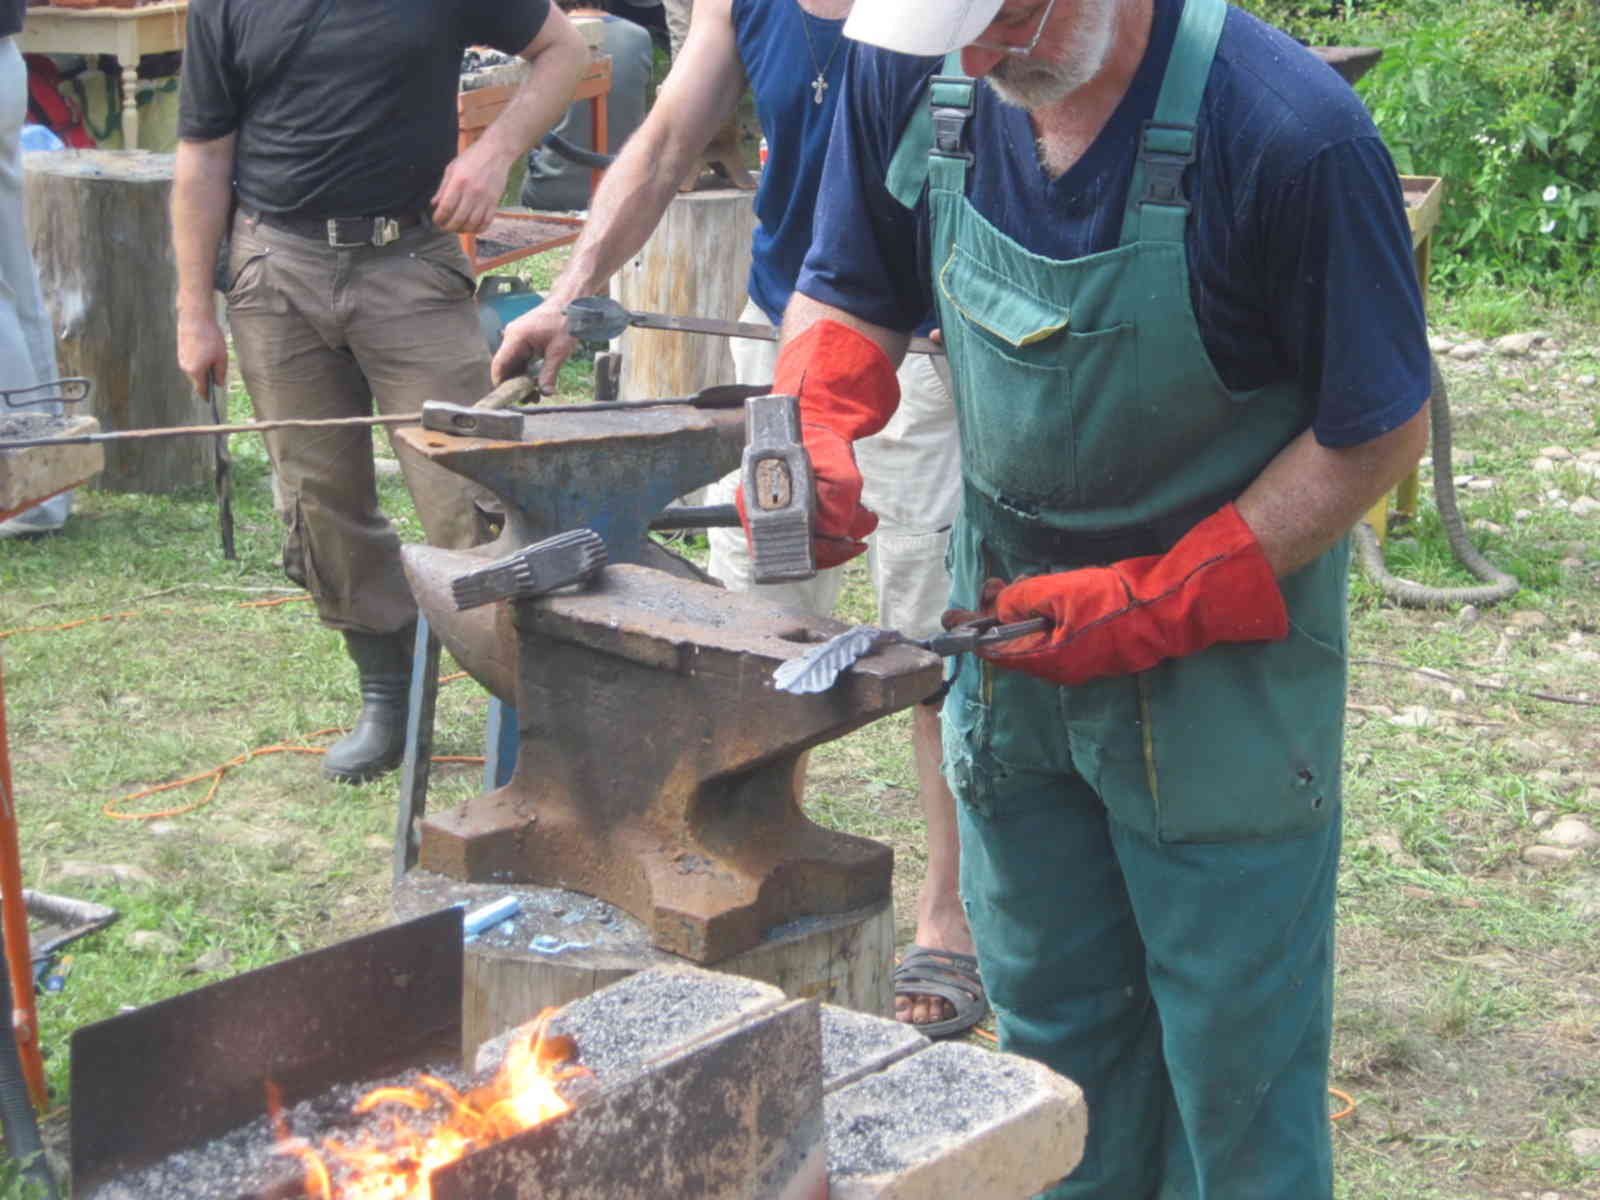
657 766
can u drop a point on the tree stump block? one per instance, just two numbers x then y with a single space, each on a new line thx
98 224
695 264
562 945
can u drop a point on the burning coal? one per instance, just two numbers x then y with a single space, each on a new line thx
432 1124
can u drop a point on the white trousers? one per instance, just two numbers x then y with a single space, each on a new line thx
27 343
912 480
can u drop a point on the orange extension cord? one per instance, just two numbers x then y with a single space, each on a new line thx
216 774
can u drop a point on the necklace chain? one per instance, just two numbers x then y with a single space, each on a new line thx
819 85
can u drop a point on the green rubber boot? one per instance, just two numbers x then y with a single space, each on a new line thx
378 741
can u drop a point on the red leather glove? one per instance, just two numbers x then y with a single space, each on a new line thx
1214 586
847 390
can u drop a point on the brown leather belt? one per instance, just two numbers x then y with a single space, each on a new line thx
342 232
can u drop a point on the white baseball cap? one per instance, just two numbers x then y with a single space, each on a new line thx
922 27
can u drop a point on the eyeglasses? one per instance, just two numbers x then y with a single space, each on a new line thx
1025 48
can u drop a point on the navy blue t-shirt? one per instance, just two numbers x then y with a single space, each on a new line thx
1299 252
783 48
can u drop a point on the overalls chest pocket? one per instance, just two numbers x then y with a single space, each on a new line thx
1047 393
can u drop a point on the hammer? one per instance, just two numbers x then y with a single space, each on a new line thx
779 491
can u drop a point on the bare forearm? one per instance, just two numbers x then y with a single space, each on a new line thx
625 210
202 194
1310 496
805 311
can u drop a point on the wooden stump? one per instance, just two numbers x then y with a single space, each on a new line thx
696 264
98 224
563 945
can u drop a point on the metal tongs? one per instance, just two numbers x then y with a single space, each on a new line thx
820 667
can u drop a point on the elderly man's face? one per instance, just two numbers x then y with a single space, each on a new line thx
1070 42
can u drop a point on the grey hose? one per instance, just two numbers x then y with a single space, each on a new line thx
1498 585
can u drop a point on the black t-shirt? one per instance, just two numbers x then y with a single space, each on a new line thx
362 121
11 16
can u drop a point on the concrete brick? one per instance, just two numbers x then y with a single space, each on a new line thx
954 1120
855 1044
705 1085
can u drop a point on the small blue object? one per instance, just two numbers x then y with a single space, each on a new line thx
40 137
490 915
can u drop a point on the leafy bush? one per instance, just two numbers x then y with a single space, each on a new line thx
1503 100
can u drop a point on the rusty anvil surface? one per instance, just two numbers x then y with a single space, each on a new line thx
657 765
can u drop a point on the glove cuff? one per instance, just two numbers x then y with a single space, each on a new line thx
843 378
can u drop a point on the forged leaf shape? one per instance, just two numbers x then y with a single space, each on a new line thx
818 668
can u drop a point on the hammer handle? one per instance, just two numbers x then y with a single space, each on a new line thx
510 393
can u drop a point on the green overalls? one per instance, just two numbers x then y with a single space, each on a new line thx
1148 862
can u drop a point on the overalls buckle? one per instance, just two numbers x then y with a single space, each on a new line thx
949 129
1165 151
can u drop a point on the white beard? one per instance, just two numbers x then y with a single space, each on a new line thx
1034 83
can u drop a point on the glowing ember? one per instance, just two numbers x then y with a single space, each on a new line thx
397 1163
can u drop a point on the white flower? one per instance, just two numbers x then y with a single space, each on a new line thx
1552 194
1548 226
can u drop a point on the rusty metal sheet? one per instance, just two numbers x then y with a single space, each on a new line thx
186 1069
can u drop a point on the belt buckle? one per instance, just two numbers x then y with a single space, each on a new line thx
384 230
337 242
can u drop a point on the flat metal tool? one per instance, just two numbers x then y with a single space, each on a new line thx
567 558
780 491
598 319
819 668
505 424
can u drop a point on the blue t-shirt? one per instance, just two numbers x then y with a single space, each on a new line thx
783 48
1299 252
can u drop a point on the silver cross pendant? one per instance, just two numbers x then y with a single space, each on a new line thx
818 86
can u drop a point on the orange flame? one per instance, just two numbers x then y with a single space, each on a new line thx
398 1162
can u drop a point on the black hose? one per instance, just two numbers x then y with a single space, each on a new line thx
16 1109
1498 585
577 154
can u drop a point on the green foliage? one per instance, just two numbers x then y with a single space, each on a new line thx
1502 99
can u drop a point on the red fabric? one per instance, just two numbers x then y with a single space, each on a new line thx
847 390
48 107
1214 586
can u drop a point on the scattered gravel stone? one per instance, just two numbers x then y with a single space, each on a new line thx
1516 345
1542 818
124 873
1439 344
1483 525
215 959
1583 506
1547 856
152 942
1415 716
1468 351
1526 618
1583 898
1585 1143
1468 615
1571 831
1587 381
1560 453
1390 845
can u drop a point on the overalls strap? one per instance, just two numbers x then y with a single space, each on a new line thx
1157 205
935 139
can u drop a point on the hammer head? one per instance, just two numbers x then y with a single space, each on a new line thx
780 495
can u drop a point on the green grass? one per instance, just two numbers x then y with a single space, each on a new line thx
1466 1019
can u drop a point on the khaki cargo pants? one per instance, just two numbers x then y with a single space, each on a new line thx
320 331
